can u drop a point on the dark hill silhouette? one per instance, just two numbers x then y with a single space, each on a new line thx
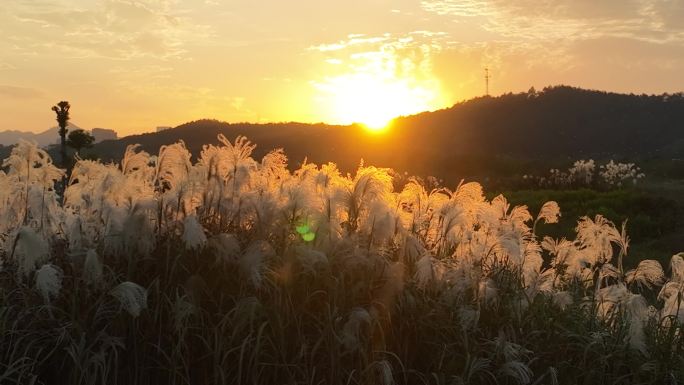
478 137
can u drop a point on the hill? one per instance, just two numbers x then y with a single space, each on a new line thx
485 136
44 139
51 135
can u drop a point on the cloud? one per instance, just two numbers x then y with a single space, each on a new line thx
116 29
372 78
653 21
14 92
407 55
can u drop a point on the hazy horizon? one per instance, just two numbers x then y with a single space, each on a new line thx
134 65
73 123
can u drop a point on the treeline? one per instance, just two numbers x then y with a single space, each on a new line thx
496 137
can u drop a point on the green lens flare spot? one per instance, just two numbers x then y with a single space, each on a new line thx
303 229
309 237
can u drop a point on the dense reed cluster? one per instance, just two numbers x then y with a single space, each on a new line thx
237 271
584 173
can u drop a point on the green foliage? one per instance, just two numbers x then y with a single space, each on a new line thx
654 219
80 139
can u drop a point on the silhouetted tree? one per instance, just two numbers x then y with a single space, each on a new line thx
62 111
80 139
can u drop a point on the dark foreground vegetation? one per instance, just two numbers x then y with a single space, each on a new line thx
158 270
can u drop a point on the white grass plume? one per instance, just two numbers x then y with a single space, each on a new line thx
133 161
672 296
49 281
30 251
598 235
311 260
637 313
193 233
351 332
648 273
386 376
488 292
562 299
425 272
226 247
92 267
677 267
518 371
252 261
173 165
549 212
133 297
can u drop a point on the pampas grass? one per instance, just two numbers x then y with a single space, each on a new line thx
232 270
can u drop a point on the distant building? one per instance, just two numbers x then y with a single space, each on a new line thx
101 134
163 128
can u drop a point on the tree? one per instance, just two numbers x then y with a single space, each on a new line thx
80 139
62 111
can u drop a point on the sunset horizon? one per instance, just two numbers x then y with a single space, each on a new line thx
169 62
372 125
358 192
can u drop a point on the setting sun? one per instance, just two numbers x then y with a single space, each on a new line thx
374 101
341 192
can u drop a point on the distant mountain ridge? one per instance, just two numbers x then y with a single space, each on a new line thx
51 135
554 126
481 137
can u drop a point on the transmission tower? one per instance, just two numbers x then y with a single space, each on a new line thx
487 77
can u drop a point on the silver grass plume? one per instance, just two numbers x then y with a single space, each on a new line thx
30 164
488 292
677 267
193 233
226 248
425 273
351 332
637 312
518 371
274 164
468 318
672 294
133 161
49 281
598 235
252 261
311 260
518 216
30 250
549 212
92 267
133 297
512 355
648 273
173 165
386 376
183 308
610 298
562 299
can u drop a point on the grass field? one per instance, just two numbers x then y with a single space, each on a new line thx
231 270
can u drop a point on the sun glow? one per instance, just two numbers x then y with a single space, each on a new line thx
375 100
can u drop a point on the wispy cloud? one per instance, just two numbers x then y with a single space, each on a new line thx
654 21
372 78
118 29
14 92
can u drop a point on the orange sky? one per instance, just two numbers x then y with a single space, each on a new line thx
133 65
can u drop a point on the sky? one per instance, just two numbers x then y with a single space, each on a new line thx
132 65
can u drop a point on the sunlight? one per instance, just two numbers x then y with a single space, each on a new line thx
375 100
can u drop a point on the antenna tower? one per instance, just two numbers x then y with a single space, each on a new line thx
487 77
